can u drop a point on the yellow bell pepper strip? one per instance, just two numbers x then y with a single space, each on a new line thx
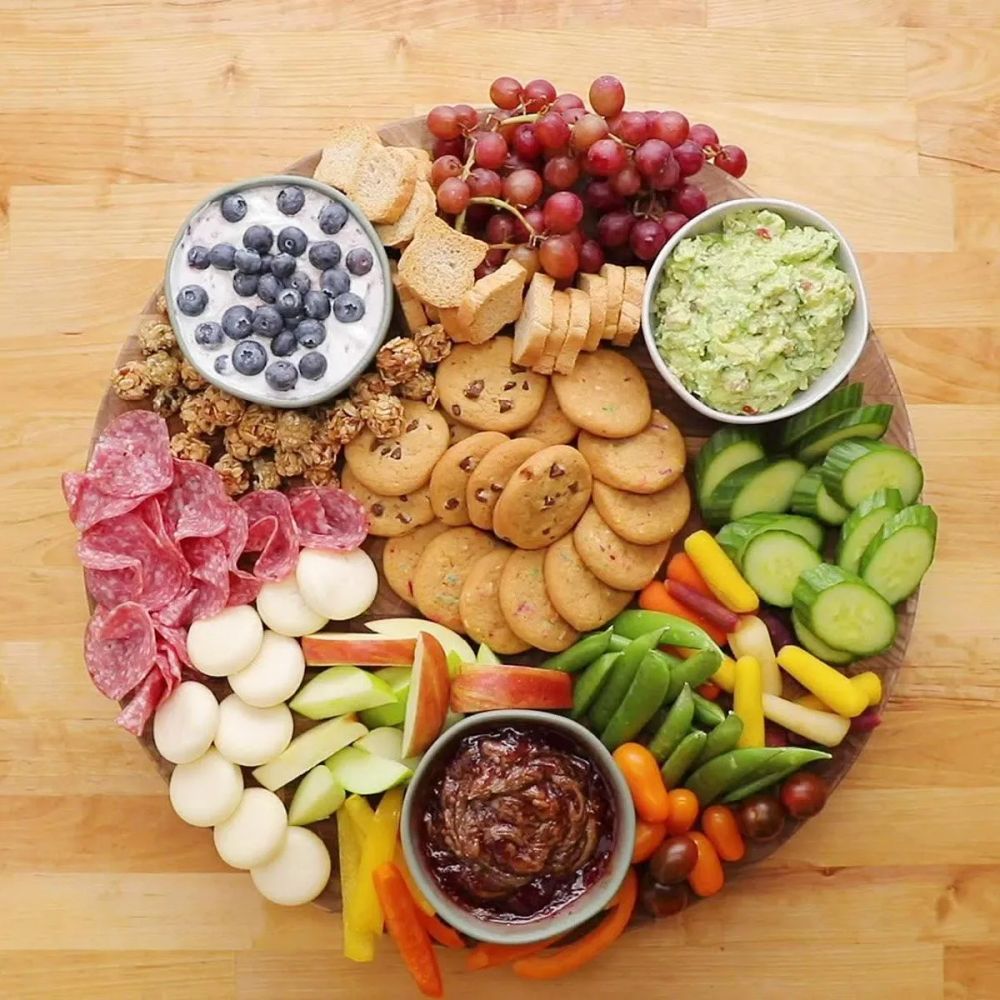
399 860
378 847
361 813
725 676
359 945
720 573
747 702
818 725
751 638
868 683
829 685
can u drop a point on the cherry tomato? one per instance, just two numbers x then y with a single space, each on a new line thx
684 809
721 828
642 774
664 900
804 794
648 837
761 817
707 877
673 860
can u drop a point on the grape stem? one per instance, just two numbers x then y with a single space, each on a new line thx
505 206
460 222
521 119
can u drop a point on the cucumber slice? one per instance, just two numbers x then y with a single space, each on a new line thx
810 499
815 645
839 402
734 536
863 525
865 422
843 611
855 469
898 556
724 452
762 486
772 563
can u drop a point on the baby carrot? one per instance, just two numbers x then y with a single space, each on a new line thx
683 570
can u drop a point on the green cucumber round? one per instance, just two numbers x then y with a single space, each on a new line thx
815 645
856 468
863 525
840 401
810 499
734 536
897 558
724 452
772 563
864 422
762 486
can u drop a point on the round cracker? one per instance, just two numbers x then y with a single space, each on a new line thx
441 572
479 605
644 518
579 596
618 563
525 603
605 394
401 555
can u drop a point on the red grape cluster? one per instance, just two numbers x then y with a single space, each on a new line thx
554 186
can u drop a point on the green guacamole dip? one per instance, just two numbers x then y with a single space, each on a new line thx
748 316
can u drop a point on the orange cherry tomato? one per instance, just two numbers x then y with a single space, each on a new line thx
709 690
642 774
648 837
684 810
707 877
721 828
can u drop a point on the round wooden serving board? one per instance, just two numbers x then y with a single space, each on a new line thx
873 369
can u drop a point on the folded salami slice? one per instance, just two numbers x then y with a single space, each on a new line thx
272 533
143 703
328 518
119 648
196 505
208 591
89 505
132 456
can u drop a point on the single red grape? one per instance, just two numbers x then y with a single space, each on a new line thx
527 257
484 183
573 115
601 196
538 94
505 92
732 159
522 187
588 130
647 239
526 143
485 268
607 96
671 222
491 150
576 237
449 147
468 116
566 101
558 257
561 172
613 229
443 168
496 256
669 176
627 181
670 126
535 218
688 199
500 228
606 157
453 195
591 257
563 212
704 135
443 123
690 157
552 131
515 162
632 127
652 156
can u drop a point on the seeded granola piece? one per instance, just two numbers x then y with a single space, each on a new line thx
288 463
343 423
383 416
223 408
264 474
190 378
235 475
163 369
294 430
189 446
421 386
433 343
195 415
259 426
167 402
155 335
131 381
367 387
398 360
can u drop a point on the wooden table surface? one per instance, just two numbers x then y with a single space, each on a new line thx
115 115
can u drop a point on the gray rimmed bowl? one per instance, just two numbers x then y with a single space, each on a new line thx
577 911
329 386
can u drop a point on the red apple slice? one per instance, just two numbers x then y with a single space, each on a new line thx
427 703
484 688
358 649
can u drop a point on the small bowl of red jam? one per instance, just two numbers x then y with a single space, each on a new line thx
517 826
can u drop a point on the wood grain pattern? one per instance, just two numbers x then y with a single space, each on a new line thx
882 113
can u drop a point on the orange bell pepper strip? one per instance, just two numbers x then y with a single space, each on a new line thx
440 931
486 955
655 597
585 949
682 569
404 925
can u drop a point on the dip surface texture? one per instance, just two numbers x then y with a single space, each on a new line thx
518 824
749 316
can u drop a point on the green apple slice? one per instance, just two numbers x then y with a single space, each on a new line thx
307 750
486 655
409 628
398 679
318 796
339 690
386 741
365 774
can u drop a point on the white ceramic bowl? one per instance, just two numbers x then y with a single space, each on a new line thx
855 324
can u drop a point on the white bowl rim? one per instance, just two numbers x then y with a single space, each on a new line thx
848 354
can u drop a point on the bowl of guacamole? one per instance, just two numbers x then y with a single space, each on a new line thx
755 310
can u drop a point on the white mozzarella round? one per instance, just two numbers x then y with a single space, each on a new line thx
339 585
273 675
298 873
283 610
252 736
226 642
253 834
184 725
206 791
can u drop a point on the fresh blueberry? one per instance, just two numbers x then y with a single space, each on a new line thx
332 218
258 238
245 285
324 254
312 366
249 358
310 333
222 364
335 281
290 200
248 261
292 240
348 308
289 302
208 335
281 375
268 287
234 207
265 263
267 321
237 322
316 305
192 299
282 265
198 258
292 322
284 344
300 281
359 261
223 256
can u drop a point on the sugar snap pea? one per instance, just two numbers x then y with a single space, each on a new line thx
641 700
795 761
622 675
581 653
588 685
675 631
722 738
728 771
694 671
684 755
707 712
674 727
618 642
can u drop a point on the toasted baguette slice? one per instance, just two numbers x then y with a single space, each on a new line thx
410 306
597 289
342 155
535 322
576 334
422 204
433 313
628 318
439 262
383 184
493 302
557 335
615 277
423 158
453 326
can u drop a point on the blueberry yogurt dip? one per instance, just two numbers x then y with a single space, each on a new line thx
278 292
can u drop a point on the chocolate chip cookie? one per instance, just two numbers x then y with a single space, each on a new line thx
551 425
647 462
452 472
526 606
390 516
492 474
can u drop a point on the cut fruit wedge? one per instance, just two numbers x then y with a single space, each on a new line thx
339 690
318 797
365 774
398 679
386 741
482 688
307 750
486 655
427 704
410 628
359 649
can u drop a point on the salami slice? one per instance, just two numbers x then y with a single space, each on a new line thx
328 518
272 533
119 648
132 456
172 637
196 505
141 707
243 587
89 505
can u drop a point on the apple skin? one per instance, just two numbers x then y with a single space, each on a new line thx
427 704
410 628
327 648
481 688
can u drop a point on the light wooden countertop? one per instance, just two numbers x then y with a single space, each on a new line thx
115 115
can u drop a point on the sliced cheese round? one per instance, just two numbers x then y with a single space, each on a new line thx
273 675
283 610
254 832
340 585
206 791
226 642
252 736
298 873
184 725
